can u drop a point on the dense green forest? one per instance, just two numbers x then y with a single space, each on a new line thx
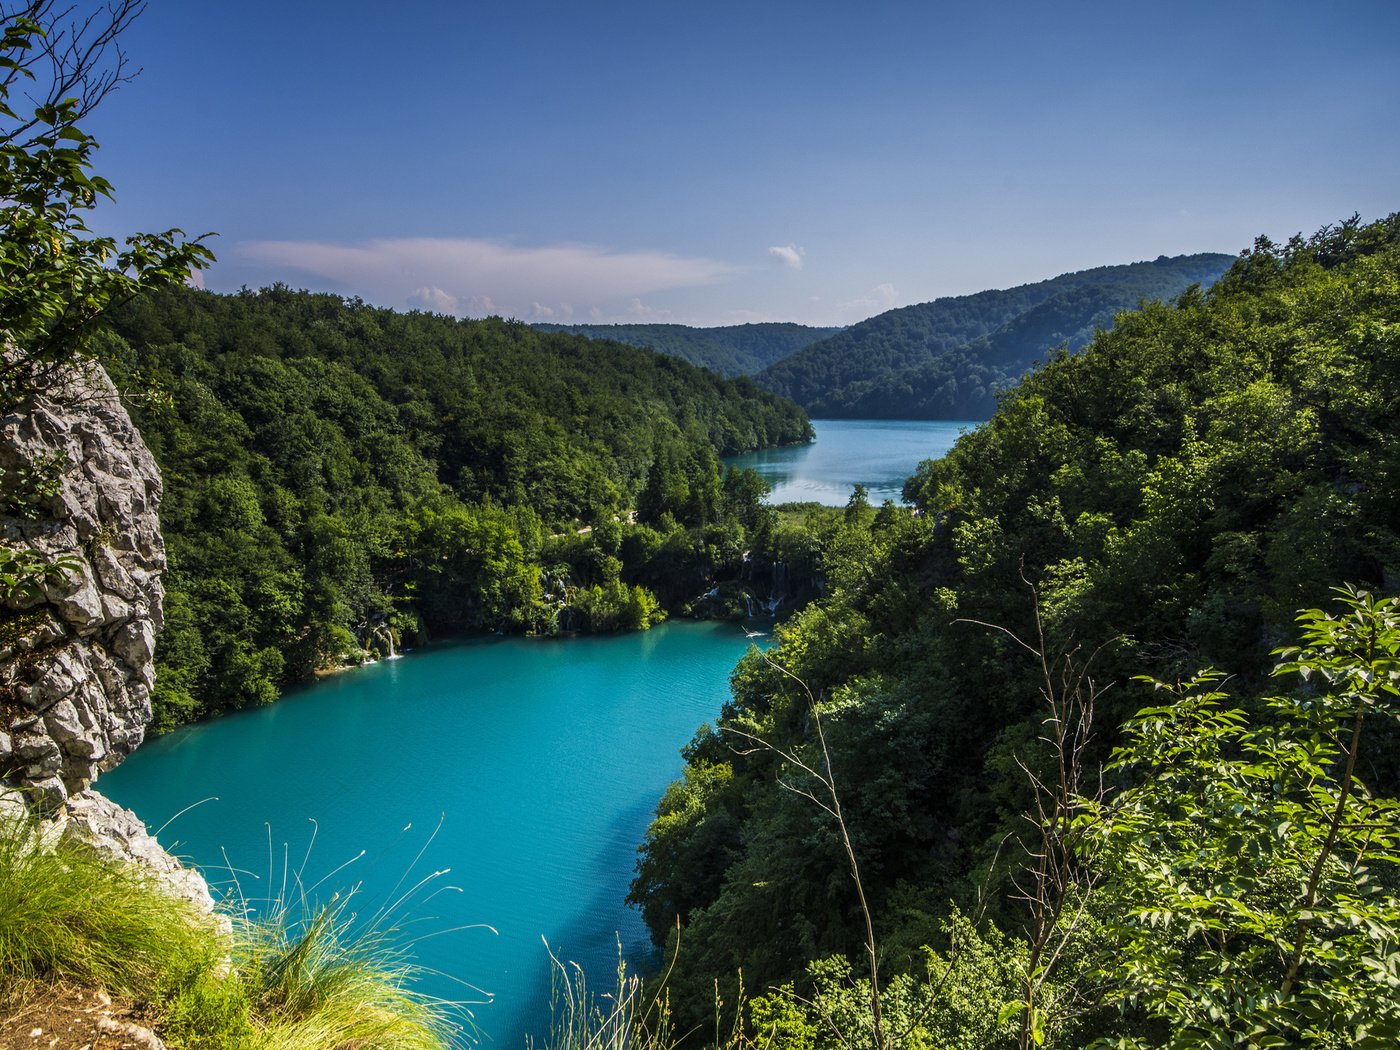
949 359
340 479
731 350
1164 501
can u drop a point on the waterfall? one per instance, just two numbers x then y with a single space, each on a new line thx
384 634
778 590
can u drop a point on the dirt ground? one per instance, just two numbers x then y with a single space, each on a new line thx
70 1017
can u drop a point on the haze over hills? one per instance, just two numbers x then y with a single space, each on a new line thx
731 350
948 359
945 359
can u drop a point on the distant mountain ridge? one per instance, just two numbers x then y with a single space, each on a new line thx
948 359
731 350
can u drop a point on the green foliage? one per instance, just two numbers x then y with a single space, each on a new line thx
56 278
951 358
1252 878
1174 491
24 570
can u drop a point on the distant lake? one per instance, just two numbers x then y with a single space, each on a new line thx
877 453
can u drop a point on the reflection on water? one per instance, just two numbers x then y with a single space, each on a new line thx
877 453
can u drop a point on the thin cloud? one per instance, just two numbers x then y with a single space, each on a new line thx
640 311
788 255
433 299
468 276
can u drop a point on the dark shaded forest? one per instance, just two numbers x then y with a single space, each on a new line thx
731 350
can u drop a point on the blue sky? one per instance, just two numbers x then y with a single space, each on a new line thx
725 162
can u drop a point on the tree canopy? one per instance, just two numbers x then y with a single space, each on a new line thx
341 478
1173 493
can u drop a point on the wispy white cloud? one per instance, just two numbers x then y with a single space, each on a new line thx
560 313
433 299
640 311
788 255
474 277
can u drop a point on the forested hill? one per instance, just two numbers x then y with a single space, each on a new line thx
1174 493
337 476
731 350
949 358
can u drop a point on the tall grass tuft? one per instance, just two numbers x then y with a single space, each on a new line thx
632 1015
300 980
320 982
622 1018
64 911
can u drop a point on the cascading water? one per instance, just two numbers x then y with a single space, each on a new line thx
778 589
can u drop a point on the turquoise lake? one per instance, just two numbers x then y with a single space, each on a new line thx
539 763
877 453
541 760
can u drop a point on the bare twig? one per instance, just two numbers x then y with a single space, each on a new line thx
830 802
1054 880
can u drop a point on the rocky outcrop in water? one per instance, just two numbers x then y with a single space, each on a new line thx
80 488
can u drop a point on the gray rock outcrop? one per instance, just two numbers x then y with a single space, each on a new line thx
76 652
120 835
80 488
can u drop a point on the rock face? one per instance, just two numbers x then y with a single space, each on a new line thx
80 488
76 652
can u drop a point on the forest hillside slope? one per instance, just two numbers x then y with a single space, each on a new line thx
1167 498
948 359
